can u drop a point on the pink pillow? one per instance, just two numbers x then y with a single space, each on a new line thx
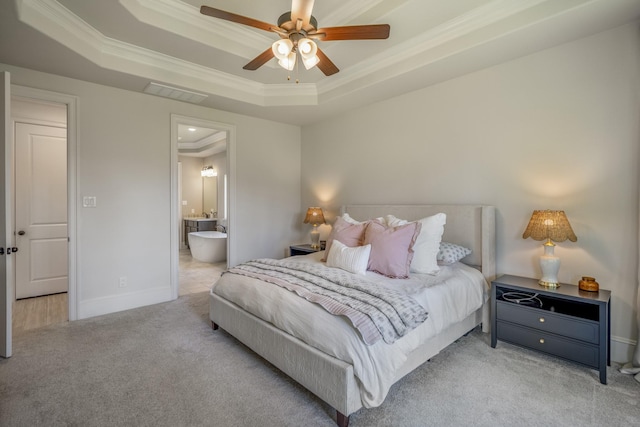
391 248
348 234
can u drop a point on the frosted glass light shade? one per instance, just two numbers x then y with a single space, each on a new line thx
307 48
289 62
282 48
310 62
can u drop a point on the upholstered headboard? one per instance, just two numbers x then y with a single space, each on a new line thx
471 226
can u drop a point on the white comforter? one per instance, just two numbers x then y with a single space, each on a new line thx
450 296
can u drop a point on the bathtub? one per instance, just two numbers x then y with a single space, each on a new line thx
208 246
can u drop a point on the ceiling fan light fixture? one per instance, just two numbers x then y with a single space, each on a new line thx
282 48
297 28
309 63
307 48
288 62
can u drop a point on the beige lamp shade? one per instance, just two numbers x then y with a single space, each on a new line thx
548 224
314 216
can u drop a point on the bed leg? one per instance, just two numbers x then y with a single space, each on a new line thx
341 419
214 326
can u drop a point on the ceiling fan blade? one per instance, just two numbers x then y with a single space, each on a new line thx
228 16
301 9
325 64
259 60
355 32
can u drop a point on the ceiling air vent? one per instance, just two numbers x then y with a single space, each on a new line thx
174 93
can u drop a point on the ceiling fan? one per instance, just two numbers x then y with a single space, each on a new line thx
297 30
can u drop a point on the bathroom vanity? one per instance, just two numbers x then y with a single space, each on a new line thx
198 224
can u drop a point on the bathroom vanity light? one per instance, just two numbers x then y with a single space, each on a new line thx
208 172
315 217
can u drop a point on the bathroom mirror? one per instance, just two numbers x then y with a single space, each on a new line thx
200 147
210 194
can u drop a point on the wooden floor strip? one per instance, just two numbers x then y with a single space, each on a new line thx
31 313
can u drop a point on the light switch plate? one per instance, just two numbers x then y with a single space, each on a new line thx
89 202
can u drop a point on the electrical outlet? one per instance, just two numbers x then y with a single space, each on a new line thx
122 282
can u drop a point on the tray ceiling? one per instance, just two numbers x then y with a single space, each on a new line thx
131 43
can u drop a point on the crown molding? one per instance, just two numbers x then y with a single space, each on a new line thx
58 23
186 21
486 23
440 42
205 143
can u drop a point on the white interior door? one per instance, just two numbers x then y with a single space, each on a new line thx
41 210
6 292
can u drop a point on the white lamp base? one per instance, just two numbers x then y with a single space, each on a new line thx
550 265
315 238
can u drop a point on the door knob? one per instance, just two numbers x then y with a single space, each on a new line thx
21 233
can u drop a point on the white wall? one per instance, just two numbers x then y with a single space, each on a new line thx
191 186
270 180
554 130
124 160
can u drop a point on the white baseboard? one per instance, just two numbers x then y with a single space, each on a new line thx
622 349
115 303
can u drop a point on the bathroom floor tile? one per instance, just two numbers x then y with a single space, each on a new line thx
196 276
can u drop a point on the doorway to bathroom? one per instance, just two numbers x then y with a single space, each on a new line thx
201 202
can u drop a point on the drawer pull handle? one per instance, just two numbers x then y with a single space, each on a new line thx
542 320
541 340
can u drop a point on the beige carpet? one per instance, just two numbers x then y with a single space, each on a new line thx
163 366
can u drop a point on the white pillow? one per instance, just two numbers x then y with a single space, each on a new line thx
350 220
427 244
353 260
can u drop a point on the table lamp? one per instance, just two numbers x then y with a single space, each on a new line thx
314 217
552 226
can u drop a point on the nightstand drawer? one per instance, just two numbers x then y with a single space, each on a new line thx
549 343
548 321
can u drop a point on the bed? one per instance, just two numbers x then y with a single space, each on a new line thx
327 368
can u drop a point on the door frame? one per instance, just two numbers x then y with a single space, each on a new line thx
232 256
71 103
6 290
